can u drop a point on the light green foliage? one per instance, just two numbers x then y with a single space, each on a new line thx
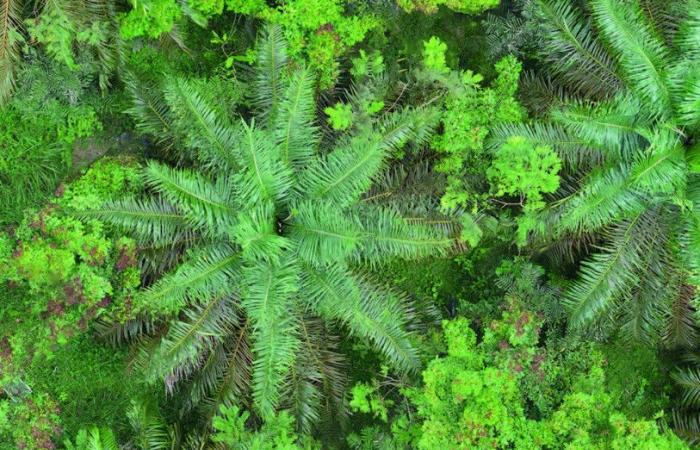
523 169
55 30
472 397
80 35
462 6
275 434
365 399
527 171
94 439
470 113
434 55
366 65
319 31
339 116
74 270
30 422
149 18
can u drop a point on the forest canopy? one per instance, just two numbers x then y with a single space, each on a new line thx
349 224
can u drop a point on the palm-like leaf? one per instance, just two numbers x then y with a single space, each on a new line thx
576 54
10 22
643 57
278 224
622 132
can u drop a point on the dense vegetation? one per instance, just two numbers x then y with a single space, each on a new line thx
345 224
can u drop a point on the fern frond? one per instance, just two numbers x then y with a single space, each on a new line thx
266 177
295 128
323 234
685 81
206 205
661 169
643 57
10 39
688 36
188 340
318 379
686 424
149 109
233 383
647 317
573 51
388 235
414 125
95 439
214 138
149 220
681 330
207 273
270 62
689 381
609 126
150 431
343 175
268 302
605 198
335 294
607 276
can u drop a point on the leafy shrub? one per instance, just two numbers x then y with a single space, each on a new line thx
462 6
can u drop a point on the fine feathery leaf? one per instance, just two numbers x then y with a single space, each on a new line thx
607 277
336 294
213 138
265 176
643 57
268 302
10 39
207 273
343 175
607 126
387 235
271 58
295 129
149 109
190 339
149 220
573 51
206 205
323 234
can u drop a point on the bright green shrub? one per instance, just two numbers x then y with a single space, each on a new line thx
29 422
527 171
275 434
462 6
472 397
470 112
149 18
74 271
